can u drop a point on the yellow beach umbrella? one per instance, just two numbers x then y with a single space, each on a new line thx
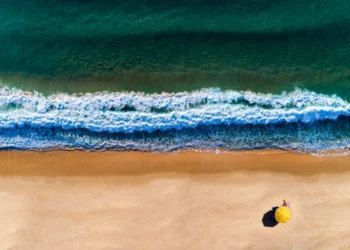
283 214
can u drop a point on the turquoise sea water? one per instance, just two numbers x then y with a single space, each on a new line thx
244 75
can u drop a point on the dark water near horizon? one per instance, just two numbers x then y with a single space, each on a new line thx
299 43
267 47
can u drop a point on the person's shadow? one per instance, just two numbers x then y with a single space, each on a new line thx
268 219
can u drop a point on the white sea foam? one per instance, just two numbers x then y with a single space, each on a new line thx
186 110
166 101
129 122
145 113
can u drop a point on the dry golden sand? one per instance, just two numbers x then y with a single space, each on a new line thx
110 200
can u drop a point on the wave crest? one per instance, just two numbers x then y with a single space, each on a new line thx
165 102
171 121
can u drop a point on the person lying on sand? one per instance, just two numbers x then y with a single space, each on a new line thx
286 204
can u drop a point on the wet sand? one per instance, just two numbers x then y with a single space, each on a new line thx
111 200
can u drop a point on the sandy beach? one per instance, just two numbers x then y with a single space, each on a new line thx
129 200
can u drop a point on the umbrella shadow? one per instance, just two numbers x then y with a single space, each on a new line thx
268 219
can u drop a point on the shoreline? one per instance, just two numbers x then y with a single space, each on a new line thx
82 163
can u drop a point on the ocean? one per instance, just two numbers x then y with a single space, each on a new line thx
163 76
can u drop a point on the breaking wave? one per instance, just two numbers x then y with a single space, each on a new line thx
301 121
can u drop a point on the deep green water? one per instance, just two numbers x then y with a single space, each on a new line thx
155 46
298 47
